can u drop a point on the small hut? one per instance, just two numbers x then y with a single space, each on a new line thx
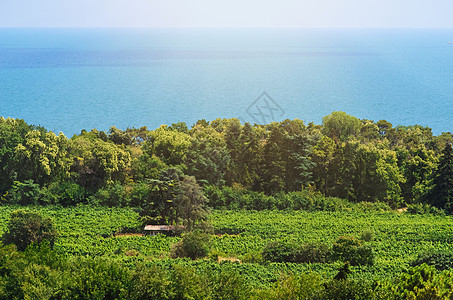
159 229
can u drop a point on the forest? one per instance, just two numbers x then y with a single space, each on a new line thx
349 209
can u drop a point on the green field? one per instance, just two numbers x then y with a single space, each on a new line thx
398 238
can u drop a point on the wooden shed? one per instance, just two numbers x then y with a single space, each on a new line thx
159 229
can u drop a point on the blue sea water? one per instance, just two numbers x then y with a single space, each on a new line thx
73 79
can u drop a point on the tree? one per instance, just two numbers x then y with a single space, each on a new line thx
157 196
120 137
12 133
274 160
245 146
323 155
385 128
207 156
23 193
26 227
189 203
97 162
364 173
43 157
168 144
441 194
299 167
195 244
340 126
174 198
417 165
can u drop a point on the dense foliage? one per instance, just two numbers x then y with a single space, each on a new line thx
94 258
277 211
25 228
358 160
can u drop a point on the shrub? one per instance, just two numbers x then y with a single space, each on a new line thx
352 250
24 193
278 252
291 252
372 206
151 282
312 253
112 195
367 235
65 193
347 289
193 244
440 260
96 278
252 257
424 282
304 286
228 284
26 227
424 208
306 199
188 284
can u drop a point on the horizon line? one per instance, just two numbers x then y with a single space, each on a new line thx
207 27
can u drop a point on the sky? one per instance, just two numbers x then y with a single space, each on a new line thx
228 13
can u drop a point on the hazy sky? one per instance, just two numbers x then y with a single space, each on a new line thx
226 13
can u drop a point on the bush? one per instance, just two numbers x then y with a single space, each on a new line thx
347 289
424 282
112 195
291 252
312 253
24 193
151 282
252 257
278 252
25 228
228 285
65 193
367 235
195 244
424 208
304 286
188 284
352 250
235 198
440 260
372 206
96 278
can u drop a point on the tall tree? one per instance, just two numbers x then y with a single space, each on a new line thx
340 126
189 203
97 162
274 160
43 157
207 156
323 156
12 133
441 194
169 144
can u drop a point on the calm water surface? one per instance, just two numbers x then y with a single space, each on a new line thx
73 79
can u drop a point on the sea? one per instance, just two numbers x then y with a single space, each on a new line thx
72 79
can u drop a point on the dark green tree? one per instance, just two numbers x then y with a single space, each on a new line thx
189 203
441 194
12 133
274 160
207 156
245 147
340 126
120 137
26 227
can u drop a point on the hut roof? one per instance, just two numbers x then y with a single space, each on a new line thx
161 227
